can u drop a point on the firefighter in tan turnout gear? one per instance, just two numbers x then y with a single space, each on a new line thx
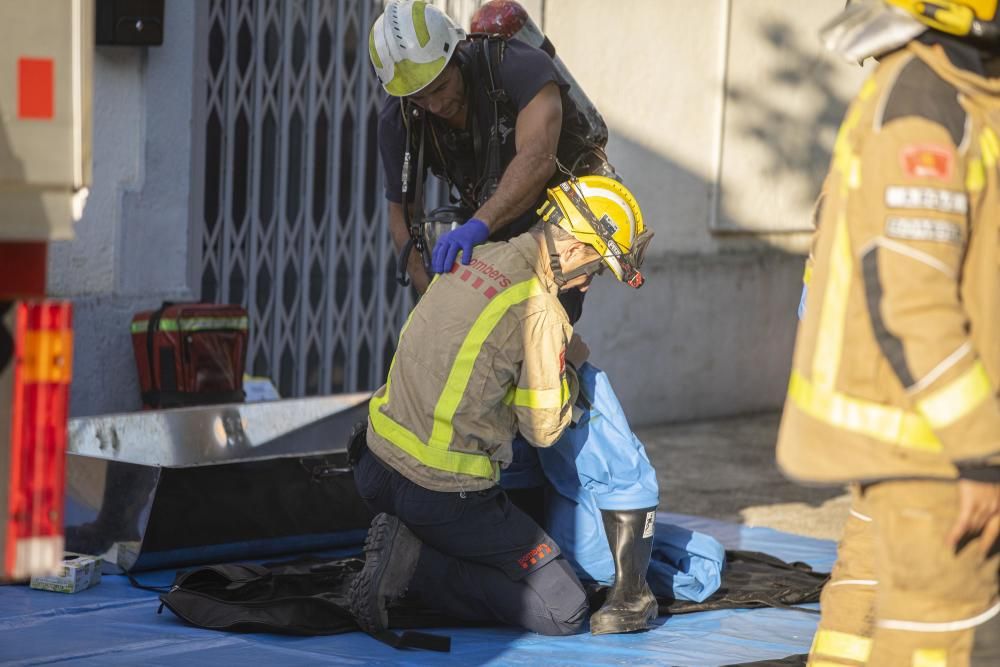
895 378
488 352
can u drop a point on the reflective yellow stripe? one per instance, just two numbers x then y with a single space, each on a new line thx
419 14
373 52
842 148
990 147
826 358
461 370
854 173
829 339
476 465
192 324
946 406
975 176
435 453
930 657
881 422
538 399
868 89
835 644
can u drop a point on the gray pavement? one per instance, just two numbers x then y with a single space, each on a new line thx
725 469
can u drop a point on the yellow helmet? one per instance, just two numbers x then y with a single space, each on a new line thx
602 213
874 27
975 19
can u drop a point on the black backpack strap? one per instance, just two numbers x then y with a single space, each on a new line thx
494 49
492 55
414 639
413 115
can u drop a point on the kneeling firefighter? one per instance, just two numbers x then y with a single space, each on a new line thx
488 352
481 118
895 385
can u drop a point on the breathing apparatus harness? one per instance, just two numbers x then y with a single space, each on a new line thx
488 51
414 223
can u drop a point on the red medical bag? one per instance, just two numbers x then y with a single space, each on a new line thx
190 354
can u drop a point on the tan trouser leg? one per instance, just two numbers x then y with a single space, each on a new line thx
930 600
847 602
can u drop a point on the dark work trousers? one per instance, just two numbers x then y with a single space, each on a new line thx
483 559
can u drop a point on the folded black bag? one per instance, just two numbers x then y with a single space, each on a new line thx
308 596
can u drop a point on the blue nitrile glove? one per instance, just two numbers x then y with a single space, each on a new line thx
472 233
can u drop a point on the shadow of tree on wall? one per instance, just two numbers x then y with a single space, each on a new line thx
796 141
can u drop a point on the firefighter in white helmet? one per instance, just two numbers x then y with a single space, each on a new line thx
895 378
487 352
489 116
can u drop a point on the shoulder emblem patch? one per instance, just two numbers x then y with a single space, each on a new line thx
927 161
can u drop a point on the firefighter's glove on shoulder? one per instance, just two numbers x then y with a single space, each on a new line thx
472 233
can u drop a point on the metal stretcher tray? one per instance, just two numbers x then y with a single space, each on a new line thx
162 488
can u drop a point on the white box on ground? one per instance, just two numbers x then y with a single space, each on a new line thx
79 572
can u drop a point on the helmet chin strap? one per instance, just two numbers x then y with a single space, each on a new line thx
986 35
562 277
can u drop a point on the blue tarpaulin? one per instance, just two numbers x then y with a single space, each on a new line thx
117 624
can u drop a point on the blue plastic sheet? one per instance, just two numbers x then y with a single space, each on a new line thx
116 624
600 464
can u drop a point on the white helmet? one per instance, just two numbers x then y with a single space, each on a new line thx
410 44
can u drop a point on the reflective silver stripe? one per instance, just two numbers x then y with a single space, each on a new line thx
855 582
940 369
933 199
947 626
858 515
912 253
923 229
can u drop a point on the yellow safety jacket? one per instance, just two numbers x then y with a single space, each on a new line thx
481 357
897 360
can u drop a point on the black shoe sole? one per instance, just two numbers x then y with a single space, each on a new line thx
622 624
391 554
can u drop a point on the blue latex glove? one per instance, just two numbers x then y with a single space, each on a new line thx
472 233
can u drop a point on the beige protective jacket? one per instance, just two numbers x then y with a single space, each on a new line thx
897 360
481 358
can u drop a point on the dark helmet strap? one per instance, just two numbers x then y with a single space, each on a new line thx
562 277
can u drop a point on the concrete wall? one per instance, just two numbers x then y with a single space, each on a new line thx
722 116
132 246
730 92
